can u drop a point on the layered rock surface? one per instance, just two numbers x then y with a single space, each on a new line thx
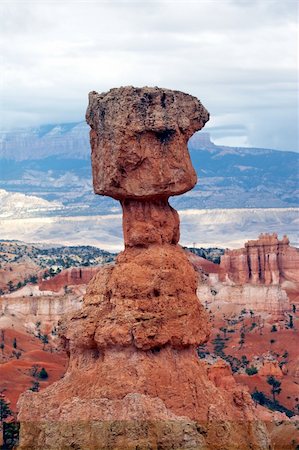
267 261
260 277
271 300
134 379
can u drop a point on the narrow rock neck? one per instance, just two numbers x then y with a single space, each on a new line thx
147 222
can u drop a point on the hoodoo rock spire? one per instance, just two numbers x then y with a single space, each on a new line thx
134 379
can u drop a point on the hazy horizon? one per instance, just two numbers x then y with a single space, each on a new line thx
213 136
238 57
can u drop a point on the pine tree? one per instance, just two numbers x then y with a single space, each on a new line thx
10 286
34 387
43 374
275 386
4 409
44 339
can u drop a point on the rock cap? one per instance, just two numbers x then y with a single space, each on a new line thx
139 141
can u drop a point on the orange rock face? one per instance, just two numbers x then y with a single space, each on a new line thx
150 222
266 260
271 368
147 301
134 378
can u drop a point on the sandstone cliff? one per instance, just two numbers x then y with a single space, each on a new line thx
267 261
46 309
134 379
263 276
260 299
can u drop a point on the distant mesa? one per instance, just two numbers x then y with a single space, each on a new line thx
53 162
201 140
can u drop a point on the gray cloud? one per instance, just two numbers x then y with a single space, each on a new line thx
238 57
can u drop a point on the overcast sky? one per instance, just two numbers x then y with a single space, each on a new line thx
239 57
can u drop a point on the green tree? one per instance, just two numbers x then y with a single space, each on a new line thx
34 371
5 411
242 339
34 387
244 360
291 323
258 397
43 374
11 432
219 345
2 347
44 339
10 286
17 354
52 272
275 386
251 370
294 309
273 329
224 331
14 343
33 279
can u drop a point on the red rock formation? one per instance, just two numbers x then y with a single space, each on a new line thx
221 375
266 260
271 368
134 379
69 277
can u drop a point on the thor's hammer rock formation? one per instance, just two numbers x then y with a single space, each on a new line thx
134 380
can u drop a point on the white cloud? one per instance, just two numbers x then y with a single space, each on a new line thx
238 57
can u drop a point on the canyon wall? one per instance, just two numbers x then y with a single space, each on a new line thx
45 309
266 261
271 300
134 379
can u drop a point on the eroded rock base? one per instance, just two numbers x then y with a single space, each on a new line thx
158 400
131 435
